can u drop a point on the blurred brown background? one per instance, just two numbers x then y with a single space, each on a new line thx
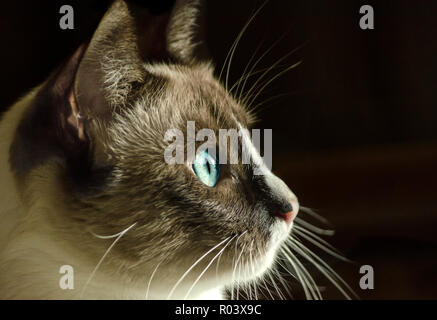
354 129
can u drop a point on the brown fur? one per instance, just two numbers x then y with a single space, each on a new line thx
107 172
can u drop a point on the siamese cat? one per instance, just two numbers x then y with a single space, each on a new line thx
90 209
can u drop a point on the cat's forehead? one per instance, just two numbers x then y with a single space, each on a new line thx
195 90
178 72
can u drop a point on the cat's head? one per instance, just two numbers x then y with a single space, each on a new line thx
103 121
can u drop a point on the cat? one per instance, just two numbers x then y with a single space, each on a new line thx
84 182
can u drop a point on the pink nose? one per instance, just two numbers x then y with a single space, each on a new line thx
287 216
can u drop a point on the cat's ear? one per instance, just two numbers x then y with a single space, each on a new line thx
129 36
99 78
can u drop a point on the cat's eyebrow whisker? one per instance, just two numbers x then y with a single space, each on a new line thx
118 235
231 52
192 266
245 75
207 267
258 61
266 84
255 85
257 108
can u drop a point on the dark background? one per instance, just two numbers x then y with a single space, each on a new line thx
354 129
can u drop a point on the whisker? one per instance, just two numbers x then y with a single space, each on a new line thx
288 270
256 108
207 267
151 277
281 280
263 278
315 215
299 274
238 41
192 266
315 229
320 243
259 60
254 86
253 270
267 288
276 286
234 266
245 74
231 52
307 276
239 270
270 81
323 267
118 236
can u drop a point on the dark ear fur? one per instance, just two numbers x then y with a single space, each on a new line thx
44 130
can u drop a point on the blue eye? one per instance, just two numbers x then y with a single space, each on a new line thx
207 168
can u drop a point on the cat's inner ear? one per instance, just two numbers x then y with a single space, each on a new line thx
75 119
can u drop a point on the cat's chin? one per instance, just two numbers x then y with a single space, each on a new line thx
279 232
257 267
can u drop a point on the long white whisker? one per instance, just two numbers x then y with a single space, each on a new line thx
308 278
234 265
315 215
315 229
299 275
192 266
281 280
257 108
253 270
245 74
267 287
238 40
207 267
271 80
324 268
288 270
118 235
320 243
239 269
150 279
257 61
276 286
254 86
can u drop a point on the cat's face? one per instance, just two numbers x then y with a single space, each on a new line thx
116 176
179 218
